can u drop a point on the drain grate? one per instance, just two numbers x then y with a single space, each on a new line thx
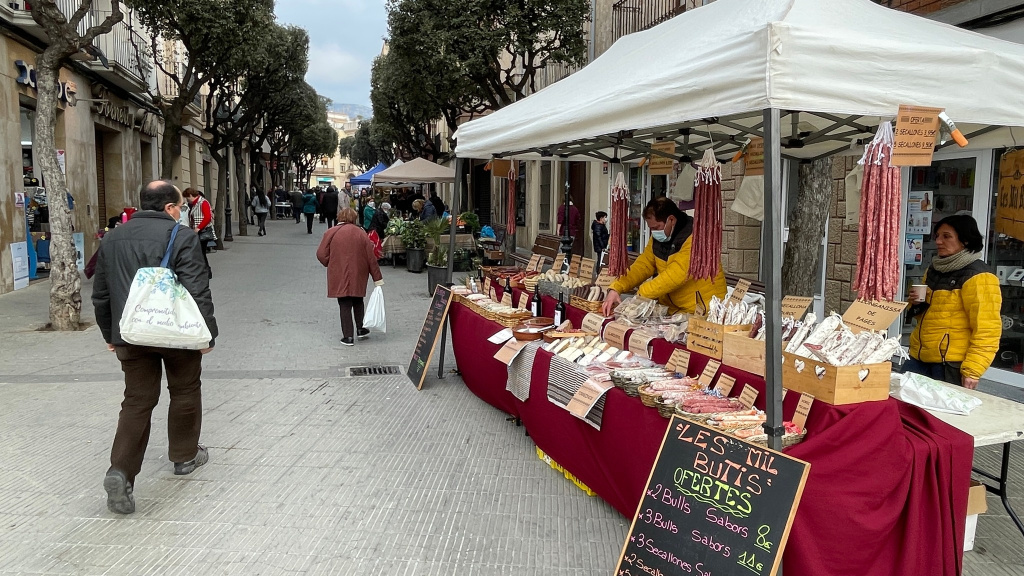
376 370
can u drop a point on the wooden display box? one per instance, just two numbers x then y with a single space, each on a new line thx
840 384
741 351
708 338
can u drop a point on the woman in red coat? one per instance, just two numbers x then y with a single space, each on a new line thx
347 253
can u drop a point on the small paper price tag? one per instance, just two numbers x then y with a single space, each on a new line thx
574 265
559 263
509 351
803 409
587 269
506 298
593 323
795 306
615 334
679 361
708 375
725 384
534 262
639 344
748 396
604 279
487 287
740 290
863 315
586 396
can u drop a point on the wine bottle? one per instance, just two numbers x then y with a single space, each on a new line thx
508 285
536 303
559 310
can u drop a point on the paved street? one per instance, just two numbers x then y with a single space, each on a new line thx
311 471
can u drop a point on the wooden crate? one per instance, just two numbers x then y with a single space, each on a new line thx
840 384
707 338
743 352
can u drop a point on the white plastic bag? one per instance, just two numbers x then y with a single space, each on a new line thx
160 312
375 319
930 394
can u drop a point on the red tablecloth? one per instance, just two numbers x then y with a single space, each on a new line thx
886 493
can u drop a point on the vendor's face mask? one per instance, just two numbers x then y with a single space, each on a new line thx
663 234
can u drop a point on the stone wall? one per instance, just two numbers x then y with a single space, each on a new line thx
741 236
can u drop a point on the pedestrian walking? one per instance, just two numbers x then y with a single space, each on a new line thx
310 207
368 212
261 206
436 202
295 197
142 242
329 207
347 253
201 219
380 220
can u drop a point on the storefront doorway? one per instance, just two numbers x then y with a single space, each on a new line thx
960 182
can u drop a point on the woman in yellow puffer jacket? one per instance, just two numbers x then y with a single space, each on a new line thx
958 325
662 272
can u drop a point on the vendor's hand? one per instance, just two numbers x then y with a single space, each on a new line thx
968 382
610 302
110 347
206 350
379 282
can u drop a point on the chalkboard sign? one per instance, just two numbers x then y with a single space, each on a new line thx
424 352
714 505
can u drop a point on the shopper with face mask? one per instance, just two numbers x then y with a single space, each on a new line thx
662 271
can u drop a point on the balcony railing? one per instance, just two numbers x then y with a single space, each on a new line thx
124 46
630 16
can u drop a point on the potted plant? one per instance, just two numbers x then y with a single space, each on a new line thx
437 261
471 222
414 238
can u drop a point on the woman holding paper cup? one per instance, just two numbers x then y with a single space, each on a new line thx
662 272
957 310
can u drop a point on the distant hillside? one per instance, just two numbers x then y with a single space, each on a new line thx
354 110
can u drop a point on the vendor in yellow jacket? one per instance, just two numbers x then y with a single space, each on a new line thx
662 272
958 325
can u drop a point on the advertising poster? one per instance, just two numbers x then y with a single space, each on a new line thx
19 199
79 238
1009 218
913 253
19 258
919 212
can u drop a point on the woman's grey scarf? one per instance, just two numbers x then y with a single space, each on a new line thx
955 262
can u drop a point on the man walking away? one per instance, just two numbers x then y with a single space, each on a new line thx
140 243
296 199
329 206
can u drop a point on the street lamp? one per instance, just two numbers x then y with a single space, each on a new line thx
567 239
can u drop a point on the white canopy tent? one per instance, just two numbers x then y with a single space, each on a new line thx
416 171
732 69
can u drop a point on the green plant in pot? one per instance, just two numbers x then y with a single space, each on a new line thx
437 261
414 238
471 222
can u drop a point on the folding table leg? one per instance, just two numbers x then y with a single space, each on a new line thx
1001 491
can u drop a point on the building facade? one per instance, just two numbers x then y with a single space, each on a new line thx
336 169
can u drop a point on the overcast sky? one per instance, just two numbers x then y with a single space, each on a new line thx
344 38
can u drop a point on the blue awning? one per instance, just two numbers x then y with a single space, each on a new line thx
366 178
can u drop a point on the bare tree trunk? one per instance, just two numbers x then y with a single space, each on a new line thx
241 186
807 228
222 192
170 143
65 281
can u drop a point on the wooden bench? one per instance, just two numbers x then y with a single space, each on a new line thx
547 245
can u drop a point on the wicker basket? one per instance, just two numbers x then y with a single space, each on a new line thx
666 409
787 439
700 418
586 305
648 397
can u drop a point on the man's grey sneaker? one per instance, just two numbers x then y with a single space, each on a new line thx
119 492
202 457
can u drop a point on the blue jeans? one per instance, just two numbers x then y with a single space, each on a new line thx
941 371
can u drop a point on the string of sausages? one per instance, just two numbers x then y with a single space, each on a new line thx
878 270
618 260
706 245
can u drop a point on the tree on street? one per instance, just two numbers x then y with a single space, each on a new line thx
365 148
65 39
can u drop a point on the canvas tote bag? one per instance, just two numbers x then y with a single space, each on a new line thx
160 312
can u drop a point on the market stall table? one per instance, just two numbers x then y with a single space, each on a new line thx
996 421
888 483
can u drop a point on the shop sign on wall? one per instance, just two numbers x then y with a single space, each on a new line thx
917 128
1010 202
27 77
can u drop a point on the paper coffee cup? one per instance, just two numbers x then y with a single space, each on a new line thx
918 292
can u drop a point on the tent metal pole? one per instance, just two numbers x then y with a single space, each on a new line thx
460 168
771 275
